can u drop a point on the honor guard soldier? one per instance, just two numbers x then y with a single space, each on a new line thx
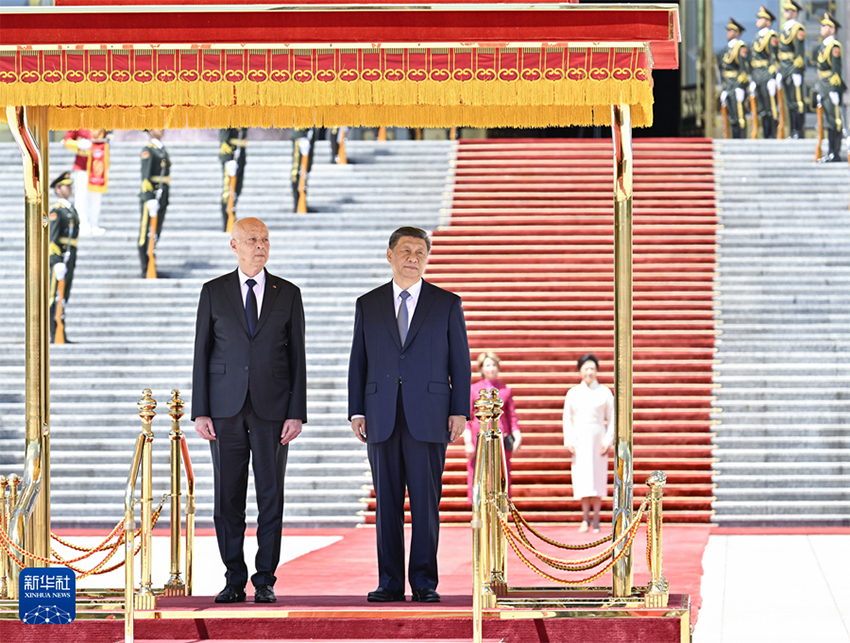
792 66
64 230
302 163
831 85
763 71
156 177
232 154
733 70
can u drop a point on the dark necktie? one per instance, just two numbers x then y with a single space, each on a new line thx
251 306
403 316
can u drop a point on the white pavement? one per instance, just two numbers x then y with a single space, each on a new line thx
775 589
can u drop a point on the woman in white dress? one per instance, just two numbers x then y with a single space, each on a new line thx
588 435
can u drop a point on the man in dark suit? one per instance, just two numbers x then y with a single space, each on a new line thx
249 398
408 396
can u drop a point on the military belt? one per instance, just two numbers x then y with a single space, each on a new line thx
238 142
161 179
730 74
786 55
759 63
65 241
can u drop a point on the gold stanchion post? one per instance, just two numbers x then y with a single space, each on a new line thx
145 598
4 560
498 542
190 514
129 536
621 127
175 586
480 546
658 590
11 567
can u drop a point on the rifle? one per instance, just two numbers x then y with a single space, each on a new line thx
151 274
780 99
724 112
302 186
754 110
818 153
231 215
60 323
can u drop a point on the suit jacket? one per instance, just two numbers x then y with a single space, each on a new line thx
432 367
227 357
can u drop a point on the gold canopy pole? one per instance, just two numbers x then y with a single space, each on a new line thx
621 129
32 502
41 518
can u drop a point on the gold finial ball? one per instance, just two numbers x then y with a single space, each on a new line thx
14 480
175 404
497 402
483 406
146 406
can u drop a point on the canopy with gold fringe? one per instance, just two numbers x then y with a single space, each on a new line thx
479 65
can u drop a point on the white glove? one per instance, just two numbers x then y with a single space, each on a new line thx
153 207
833 96
740 94
779 78
60 270
304 145
83 144
753 87
723 96
771 87
798 79
230 167
820 104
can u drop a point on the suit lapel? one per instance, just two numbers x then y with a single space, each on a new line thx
269 295
234 294
387 305
426 299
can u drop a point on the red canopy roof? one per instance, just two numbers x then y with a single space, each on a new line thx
459 63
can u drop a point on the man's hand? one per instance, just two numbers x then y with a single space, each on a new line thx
291 430
457 423
204 428
83 144
230 167
153 207
358 425
571 450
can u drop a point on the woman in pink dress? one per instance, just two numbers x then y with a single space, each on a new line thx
588 436
488 367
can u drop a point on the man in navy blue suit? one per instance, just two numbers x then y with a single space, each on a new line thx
408 397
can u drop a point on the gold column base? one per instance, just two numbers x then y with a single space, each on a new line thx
174 587
144 601
657 593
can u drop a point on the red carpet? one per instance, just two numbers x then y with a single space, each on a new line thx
323 596
530 249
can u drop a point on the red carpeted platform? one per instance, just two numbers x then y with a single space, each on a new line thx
530 249
321 596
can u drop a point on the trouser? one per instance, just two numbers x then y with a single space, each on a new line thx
241 438
401 461
144 234
767 109
86 202
794 103
225 191
735 111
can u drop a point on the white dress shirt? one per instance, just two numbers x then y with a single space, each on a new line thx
414 291
259 289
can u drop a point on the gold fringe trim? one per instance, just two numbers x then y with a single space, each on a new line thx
327 116
404 103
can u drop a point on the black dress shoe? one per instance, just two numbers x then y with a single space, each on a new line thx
426 595
382 595
231 594
264 594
